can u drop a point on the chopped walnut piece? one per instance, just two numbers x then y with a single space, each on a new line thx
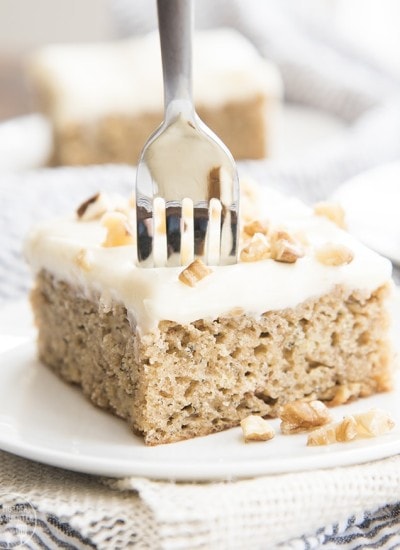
301 416
84 259
344 394
94 207
256 428
285 252
118 231
194 272
285 248
258 248
334 254
331 210
80 211
372 423
334 433
100 203
255 226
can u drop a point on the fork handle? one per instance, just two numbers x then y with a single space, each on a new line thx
175 22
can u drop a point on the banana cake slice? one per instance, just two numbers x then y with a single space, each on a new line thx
186 351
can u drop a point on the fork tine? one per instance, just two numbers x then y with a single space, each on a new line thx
213 247
144 234
229 235
160 255
226 235
133 224
187 232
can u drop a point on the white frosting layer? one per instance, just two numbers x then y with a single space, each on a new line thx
155 294
87 81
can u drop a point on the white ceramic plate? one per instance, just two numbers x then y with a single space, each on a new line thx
372 205
44 419
25 142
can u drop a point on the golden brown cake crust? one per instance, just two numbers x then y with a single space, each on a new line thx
186 381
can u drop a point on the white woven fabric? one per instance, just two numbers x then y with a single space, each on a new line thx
94 515
268 510
261 513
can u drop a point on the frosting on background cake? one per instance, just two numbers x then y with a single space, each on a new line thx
98 95
126 76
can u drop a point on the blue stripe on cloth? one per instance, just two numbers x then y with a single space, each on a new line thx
379 530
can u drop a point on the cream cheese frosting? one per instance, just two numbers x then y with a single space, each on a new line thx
91 80
155 294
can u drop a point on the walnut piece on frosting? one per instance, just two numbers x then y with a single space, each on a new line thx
332 211
302 416
95 206
255 226
371 423
194 272
285 248
92 208
332 254
258 248
256 428
265 244
118 231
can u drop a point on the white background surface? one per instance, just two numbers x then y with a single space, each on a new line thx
371 25
29 23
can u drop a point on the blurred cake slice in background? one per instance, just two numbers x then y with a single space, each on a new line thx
105 99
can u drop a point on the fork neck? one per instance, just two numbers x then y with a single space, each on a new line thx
175 21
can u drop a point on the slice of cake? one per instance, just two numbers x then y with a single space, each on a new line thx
183 352
104 100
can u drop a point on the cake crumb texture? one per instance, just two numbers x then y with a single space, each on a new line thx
185 381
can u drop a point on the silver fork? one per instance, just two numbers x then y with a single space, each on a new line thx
187 190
